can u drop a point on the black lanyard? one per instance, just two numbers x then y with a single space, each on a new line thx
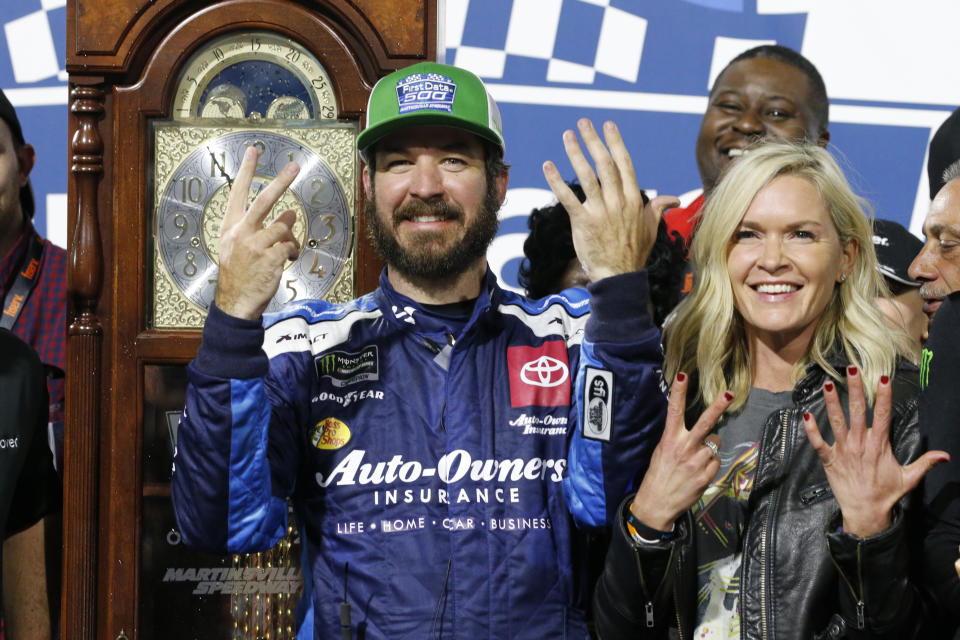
26 280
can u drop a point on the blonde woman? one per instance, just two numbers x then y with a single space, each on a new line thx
774 516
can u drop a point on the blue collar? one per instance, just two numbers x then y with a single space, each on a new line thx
409 315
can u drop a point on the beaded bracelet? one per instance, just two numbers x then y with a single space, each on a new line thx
642 533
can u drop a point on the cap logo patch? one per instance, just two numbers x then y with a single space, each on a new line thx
426 92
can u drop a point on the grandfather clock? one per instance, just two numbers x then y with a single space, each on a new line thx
165 96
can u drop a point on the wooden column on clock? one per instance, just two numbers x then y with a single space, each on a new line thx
123 59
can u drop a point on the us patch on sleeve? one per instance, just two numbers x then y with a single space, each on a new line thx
598 405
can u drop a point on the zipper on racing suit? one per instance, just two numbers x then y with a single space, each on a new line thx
432 346
436 349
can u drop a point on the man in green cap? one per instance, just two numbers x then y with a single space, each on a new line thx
440 436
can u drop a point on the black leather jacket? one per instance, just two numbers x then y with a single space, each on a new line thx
801 576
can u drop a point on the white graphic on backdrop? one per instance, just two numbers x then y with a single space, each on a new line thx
850 42
532 33
891 51
859 64
30 43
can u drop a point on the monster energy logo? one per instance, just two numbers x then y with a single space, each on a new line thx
925 359
343 368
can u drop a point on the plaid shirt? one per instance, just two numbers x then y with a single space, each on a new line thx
43 321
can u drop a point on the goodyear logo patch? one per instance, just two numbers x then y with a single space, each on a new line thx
329 434
344 368
426 92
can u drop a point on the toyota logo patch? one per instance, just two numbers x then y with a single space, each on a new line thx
539 376
544 372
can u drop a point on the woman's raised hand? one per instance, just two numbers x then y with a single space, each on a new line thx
683 465
864 475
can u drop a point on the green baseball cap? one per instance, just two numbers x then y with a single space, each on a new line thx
431 93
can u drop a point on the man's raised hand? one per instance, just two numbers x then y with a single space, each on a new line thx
613 232
251 255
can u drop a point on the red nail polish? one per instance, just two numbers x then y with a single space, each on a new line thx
828 386
884 379
681 377
728 396
851 371
806 416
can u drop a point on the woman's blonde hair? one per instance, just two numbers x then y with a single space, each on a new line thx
706 336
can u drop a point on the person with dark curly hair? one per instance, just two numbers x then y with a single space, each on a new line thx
551 265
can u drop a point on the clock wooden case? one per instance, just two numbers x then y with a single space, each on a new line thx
164 97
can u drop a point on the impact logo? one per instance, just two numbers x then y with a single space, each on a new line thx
330 434
31 269
426 91
598 407
539 376
344 368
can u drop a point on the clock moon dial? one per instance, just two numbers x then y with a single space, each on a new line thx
255 75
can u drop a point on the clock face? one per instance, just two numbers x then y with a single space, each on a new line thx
261 89
193 202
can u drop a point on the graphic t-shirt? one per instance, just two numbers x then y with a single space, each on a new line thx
721 514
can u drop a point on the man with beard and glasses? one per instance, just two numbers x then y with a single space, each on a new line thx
444 442
937 268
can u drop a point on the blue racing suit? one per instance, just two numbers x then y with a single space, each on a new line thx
445 461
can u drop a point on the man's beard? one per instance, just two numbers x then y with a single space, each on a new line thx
429 262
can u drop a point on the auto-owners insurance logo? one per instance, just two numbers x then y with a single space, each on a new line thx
344 368
539 376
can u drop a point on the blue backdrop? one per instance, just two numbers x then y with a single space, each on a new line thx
646 64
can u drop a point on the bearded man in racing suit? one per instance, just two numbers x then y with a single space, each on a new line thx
443 437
